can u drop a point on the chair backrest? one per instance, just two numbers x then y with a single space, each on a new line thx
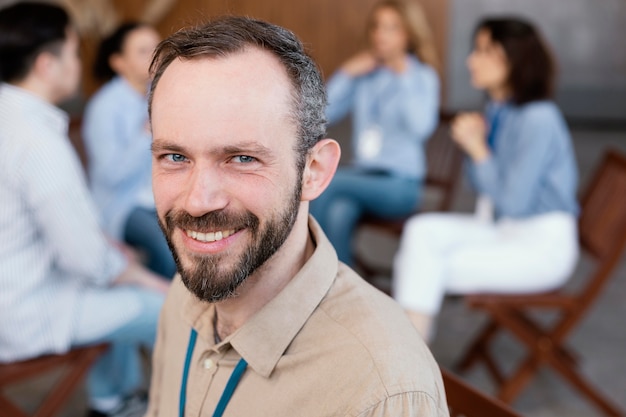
602 223
465 400
444 161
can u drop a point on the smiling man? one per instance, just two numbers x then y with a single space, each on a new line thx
263 320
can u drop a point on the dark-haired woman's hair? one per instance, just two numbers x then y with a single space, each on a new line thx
27 30
111 45
532 68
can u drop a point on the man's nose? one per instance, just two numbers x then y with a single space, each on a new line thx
205 191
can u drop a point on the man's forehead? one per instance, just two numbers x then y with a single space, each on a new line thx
247 92
251 80
250 63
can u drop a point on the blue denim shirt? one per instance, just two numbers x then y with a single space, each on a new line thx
404 107
532 168
117 140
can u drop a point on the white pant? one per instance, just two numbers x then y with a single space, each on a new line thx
451 253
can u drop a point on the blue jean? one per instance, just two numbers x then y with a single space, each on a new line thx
354 193
142 231
126 317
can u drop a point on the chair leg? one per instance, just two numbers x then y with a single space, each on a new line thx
545 349
561 366
66 386
9 410
478 347
511 388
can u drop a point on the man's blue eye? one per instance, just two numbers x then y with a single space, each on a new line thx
176 157
244 159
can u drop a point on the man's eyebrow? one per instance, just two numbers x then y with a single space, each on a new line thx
159 146
243 148
247 147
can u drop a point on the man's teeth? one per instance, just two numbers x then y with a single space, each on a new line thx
211 236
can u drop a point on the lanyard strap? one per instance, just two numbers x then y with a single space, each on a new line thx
232 383
494 121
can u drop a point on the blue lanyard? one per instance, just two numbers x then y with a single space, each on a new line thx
494 121
232 383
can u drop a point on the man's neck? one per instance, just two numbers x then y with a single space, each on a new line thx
34 86
266 282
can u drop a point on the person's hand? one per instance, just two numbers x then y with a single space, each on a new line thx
360 64
469 131
128 251
136 274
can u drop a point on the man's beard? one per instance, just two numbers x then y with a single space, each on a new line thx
205 279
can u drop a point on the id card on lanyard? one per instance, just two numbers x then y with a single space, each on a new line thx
370 142
370 139
232 383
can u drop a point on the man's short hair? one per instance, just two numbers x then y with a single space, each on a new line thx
26 30
230 34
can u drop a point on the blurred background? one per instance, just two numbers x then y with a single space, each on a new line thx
588 38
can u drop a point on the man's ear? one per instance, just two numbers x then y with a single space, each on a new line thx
116 62
43 65
320 168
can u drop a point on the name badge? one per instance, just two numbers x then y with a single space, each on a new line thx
370 143
484 209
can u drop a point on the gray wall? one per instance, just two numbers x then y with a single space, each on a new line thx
588 38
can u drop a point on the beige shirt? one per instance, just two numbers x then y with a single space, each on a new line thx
328 344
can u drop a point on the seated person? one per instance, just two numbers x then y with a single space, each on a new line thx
262 309
62 282
523 237
392 91
117 139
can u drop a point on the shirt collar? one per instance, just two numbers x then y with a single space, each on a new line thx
265 337
52 116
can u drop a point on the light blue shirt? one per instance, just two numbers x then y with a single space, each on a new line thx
117 139
51 246
532 169
404 107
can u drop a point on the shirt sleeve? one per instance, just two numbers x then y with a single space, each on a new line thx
341 91
61 204
410 404
419 106
513 183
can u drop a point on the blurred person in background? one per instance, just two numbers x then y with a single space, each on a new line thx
62 282
117 138
523 235
392 92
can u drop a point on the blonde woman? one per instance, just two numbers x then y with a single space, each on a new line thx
392 92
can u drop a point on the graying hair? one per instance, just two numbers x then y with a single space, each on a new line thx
230 34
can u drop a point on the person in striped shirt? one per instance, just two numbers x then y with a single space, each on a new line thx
62 281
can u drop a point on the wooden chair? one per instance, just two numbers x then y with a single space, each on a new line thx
465 400
76 363
602 231
444 161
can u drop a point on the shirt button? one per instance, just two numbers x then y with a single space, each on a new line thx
208 363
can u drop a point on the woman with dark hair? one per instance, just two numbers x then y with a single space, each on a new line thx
117 138
523 236
392 92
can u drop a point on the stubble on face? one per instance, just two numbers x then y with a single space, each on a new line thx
207 277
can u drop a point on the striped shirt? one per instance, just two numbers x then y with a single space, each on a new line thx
51 245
